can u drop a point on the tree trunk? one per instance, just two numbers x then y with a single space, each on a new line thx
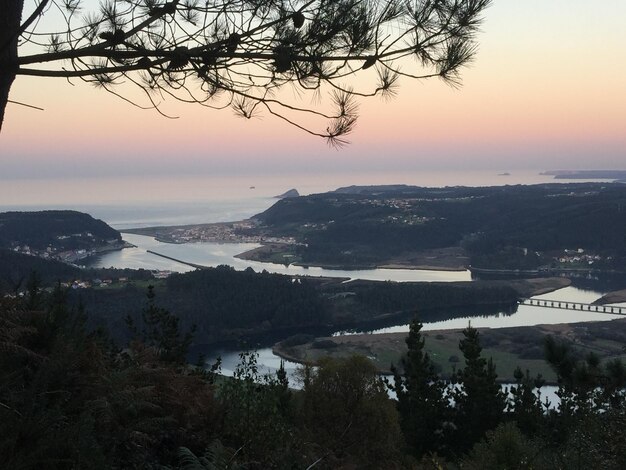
10 19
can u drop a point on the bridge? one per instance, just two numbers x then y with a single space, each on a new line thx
193 265
574 306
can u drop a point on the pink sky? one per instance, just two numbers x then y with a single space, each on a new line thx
547 90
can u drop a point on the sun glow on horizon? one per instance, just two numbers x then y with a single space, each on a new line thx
545 90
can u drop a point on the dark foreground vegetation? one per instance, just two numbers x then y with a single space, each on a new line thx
70 398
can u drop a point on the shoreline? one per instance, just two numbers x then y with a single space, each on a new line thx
614 297
259 253
423 267
386 348
282 251
502 344
100 251
445 259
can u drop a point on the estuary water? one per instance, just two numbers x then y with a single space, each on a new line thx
215 254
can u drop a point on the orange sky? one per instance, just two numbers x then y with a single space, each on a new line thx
547 90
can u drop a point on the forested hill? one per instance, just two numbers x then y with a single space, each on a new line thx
17 268
60 230
504 226
229 305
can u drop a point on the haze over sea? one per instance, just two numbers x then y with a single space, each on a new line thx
178 200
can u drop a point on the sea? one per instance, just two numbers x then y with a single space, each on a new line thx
178 200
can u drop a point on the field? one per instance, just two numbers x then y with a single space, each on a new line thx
509 347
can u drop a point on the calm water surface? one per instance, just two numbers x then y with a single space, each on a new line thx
525 316
214 254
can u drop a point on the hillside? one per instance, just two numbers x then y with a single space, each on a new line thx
62 235
225 304
573 226
16 268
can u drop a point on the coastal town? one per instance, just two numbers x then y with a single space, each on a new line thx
57 249
244 231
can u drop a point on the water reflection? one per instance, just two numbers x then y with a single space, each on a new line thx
525 315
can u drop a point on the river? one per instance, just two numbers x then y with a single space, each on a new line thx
214 254
525 316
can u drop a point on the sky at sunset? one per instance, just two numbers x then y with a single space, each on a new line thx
547 90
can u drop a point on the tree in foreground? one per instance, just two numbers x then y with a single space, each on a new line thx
422 405
347 416
249 55
479 400
506 447
525 406
588 427
68 399
256 415
161 331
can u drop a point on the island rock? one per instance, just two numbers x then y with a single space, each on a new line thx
291 193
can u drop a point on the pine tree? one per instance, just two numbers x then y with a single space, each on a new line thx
161 330
242 54
257 416
524 405
282 390
479 399
421 402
